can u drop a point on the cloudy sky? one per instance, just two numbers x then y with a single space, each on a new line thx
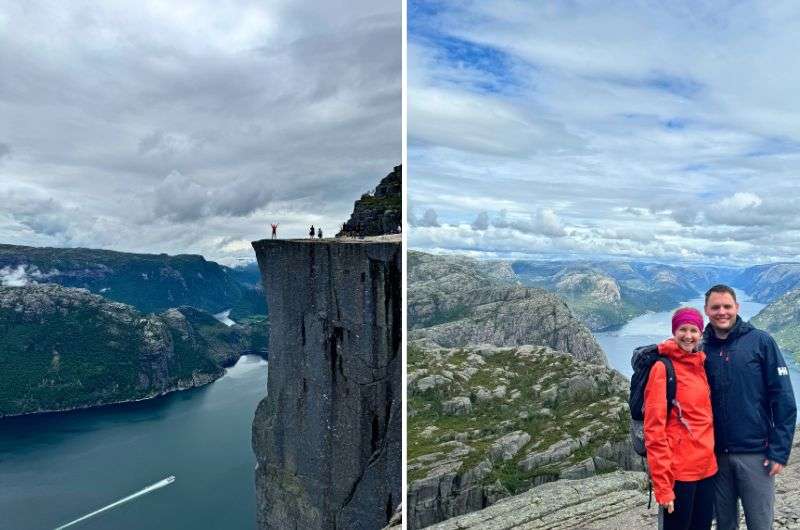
169 126
663 131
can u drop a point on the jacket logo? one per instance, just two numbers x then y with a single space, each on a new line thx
782 370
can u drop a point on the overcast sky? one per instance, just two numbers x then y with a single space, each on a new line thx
188 127
663 131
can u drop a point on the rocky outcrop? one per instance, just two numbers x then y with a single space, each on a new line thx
327 436
380 212
65 348
486 422
781 318
563 504
454 301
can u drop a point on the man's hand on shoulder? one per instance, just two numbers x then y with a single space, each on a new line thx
775 469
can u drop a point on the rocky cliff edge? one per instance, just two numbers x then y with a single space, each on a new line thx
327 436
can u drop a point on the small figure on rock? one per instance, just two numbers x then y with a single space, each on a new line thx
311 232
319 233
274 230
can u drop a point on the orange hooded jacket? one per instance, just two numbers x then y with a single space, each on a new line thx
680 447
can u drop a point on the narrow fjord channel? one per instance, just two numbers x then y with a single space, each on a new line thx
57 467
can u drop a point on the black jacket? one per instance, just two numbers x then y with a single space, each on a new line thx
751 393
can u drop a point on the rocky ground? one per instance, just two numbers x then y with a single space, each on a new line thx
606 502
485 422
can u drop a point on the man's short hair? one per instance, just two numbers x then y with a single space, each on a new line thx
720 288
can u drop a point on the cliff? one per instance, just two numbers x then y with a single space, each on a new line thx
327 436
454 301
64 348
380 212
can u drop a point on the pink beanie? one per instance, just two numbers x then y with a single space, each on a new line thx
687 315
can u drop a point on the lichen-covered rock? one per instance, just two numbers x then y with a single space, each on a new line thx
506 447
457 406
327 436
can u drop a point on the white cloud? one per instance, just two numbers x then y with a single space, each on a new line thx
644 130
170 126
13 277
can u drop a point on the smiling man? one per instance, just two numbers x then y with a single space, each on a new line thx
754 412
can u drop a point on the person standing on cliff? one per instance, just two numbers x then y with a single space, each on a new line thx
754 412
319 233
311 232
679 436
274 230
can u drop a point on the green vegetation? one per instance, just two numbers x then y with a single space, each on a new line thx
64 348
538 400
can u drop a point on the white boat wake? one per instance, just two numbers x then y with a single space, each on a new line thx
160 484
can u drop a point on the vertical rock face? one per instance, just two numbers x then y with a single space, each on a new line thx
327 436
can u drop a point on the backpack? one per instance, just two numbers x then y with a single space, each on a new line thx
642 361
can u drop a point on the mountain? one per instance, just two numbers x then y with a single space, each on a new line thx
454 301
379 212
781 318
766 283
607 294
149 282
63 348
487 422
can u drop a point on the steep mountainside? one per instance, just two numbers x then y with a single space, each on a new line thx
63 348
149 282
781 319
606 294
766 283
455 301
380 212
488 422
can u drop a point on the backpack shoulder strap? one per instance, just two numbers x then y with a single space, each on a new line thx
672 382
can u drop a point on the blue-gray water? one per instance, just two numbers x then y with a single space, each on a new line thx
55 468
655 327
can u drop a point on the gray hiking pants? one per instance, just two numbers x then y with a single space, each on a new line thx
744 476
